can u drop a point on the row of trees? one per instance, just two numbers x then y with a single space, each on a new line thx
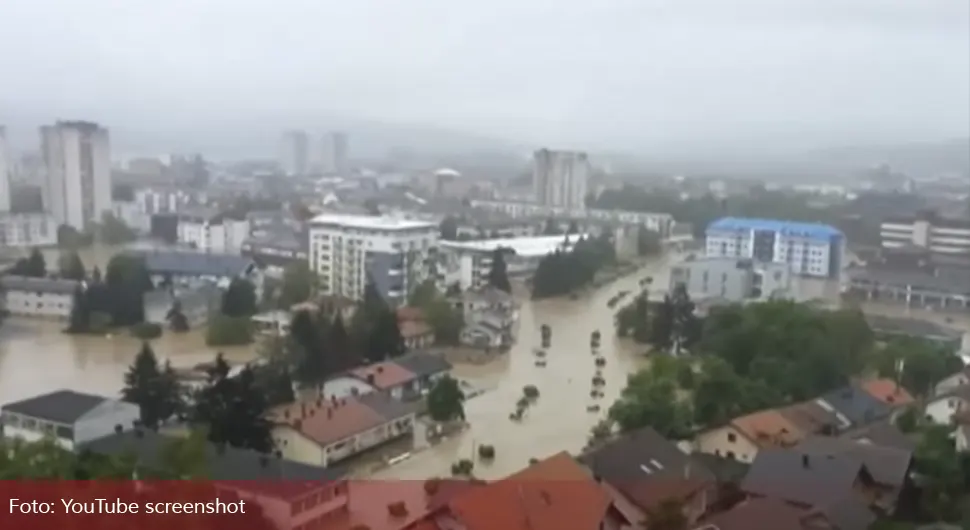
565 271
670 325
232 326
114 301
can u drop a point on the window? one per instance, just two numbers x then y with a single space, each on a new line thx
732 437
730 454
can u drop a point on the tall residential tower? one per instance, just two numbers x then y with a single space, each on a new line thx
560 178
294 152
78 159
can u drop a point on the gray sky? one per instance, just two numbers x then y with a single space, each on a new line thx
627 74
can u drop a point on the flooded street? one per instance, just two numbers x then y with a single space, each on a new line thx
558 420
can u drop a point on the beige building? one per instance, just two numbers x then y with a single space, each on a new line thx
321 432
37 297
743 437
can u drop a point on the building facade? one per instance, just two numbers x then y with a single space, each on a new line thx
936 234
210 231
814 250
468 263
334 155
294 150
78 159
661 223
37 297
733 280
560 178
22 230
69 418
347 251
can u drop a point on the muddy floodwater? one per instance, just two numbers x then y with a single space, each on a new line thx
558 420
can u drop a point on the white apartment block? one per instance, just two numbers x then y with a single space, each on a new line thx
468 263
211 231
152 201
5 172
815 250
78 159
294 153
658 222
25 230
348 250
936 234
560 178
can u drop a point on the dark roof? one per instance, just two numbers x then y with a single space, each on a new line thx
857 405
724 469
422 364
642 455
887 465
42 285
62 406
386 406
850 513
821 482
882 433
193 263
228 464
758 514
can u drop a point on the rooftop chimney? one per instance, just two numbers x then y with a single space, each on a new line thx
805 461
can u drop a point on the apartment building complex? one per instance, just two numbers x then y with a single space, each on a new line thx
5 170
809 249
937 234
733 280
347 251
211 231
560 178
78 159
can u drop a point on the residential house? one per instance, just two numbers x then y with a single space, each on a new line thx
887 391
70 418
416 504
882 433
961 378
643 469
941 407
838 486
414 328
403 378
554 494
889 467
743 437
854 406
187 267
473 302
767 514
291 494
197 303
37 297
320 432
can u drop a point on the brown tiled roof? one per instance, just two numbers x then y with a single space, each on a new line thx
387 374
414 328
758 514
887 391
554 494
769 428
409 313
327 421
810 417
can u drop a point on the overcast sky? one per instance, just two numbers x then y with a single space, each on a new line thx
628 74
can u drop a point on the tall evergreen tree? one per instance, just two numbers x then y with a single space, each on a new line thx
498 275
71 266
80 319
233 409
36 264
156 391
239 300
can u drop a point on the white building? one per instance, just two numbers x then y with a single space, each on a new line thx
37 297
468 263
348 250
78 159
658 222
936 234
161 200
24 230
5 172
560 178
810 249
69 418
211 231
294 150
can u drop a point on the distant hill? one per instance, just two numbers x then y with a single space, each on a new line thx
919 158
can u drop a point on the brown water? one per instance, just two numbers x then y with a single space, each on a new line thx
558 420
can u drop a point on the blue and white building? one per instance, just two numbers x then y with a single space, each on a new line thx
348 250
810 249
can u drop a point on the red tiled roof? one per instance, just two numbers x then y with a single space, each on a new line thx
408 313
554 494
887 391
414 328
387 374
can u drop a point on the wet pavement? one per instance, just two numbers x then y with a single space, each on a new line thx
558 420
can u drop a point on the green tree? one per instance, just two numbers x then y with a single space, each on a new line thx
233 409
498 275
307 349
71 266
153 388
650 400
240 299
34 266
114 231
423 294
916 363
446 320
449 228
551 228
229 331
941 475
297 287
126 280
375 327
273 377
648 242
446 400
80 319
